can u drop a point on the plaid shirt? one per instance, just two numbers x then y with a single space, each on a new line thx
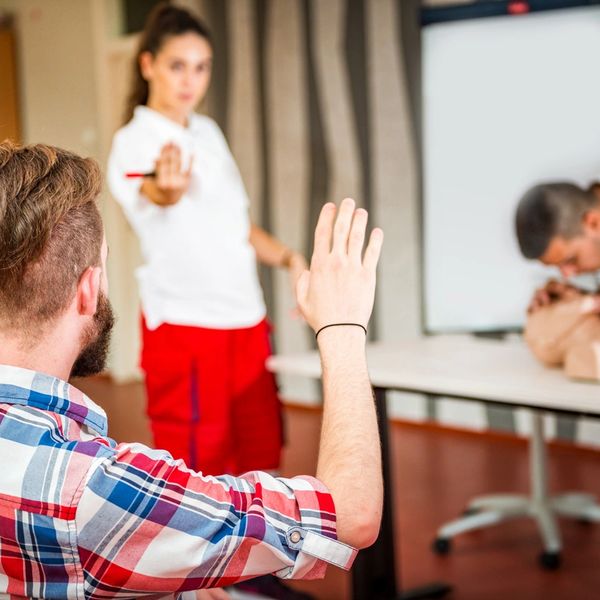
84 517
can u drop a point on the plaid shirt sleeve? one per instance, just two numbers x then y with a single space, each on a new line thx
147 523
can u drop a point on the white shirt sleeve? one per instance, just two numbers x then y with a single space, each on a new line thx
128 156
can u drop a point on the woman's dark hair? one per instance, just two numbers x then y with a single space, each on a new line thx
163 22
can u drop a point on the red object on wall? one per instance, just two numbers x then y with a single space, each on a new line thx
518 8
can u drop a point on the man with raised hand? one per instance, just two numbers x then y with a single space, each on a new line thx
83 516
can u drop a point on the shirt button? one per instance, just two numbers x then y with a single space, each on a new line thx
295 537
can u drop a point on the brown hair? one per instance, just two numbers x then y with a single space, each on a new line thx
163 22
50 231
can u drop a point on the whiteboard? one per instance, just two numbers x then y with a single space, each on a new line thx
508 102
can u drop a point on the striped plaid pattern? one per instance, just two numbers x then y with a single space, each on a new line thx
84 517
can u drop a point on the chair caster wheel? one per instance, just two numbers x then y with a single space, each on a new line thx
550 560
441 546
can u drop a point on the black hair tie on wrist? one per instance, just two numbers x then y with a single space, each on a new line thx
340 325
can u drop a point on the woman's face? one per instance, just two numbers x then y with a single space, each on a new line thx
178 75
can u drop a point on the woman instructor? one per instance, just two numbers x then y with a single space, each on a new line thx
205 338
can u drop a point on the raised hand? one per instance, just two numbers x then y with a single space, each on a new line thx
340 288
340 285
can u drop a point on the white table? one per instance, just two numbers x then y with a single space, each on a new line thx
461 367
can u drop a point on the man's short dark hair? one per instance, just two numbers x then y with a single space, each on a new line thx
549 210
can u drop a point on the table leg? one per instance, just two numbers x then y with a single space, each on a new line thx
374 573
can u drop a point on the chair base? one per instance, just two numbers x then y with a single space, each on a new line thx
485 511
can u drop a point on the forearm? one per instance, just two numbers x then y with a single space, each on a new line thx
269 250
350 454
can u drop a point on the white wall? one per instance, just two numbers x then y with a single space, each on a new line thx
57 84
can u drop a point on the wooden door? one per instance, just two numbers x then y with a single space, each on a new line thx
9 105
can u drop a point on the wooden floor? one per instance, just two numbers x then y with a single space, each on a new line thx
435 472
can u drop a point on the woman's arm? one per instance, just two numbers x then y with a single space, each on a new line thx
270 251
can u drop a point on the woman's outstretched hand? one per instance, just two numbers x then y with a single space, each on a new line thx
170 181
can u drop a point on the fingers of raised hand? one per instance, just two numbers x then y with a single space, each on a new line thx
373 251
173 160
323 232
345 234
343 223
163 166
169 174
356 237
170 159
176 160
165 152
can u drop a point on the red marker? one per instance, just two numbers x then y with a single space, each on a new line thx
518 8
133 174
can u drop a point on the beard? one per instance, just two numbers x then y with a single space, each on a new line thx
95 341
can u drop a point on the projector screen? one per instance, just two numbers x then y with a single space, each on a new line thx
508 102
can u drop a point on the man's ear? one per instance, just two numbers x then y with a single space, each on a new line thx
591 221
88 290
145 61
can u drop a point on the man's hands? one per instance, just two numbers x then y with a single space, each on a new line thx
170 181
340 286
553 291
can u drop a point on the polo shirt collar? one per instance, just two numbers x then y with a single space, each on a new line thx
152 116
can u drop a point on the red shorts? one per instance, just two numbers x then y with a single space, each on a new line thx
211 400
